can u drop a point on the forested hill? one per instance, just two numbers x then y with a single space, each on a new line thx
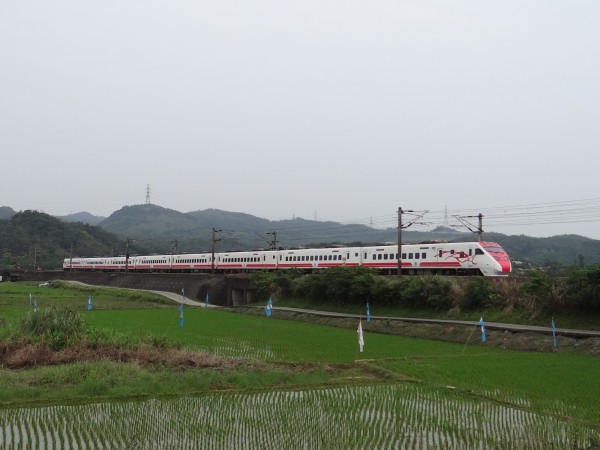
31 236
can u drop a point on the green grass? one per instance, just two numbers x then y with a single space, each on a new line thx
108 380
588 321
14 297
566 385
232 334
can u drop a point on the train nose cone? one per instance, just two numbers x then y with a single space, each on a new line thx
506 266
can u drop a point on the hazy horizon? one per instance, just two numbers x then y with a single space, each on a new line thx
337 110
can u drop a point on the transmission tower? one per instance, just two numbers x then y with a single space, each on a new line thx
147 194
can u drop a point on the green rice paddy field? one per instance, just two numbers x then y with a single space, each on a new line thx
301 386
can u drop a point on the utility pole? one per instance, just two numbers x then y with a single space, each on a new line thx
175 245
273 243
214 241
400 226
127 254
478 230
400 241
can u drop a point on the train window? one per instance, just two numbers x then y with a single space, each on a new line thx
417 256
374 256
330 257
439 253
470 251
379 256
410 256
403 255
356 255
478 251
385 256
452 252
365 255
423 255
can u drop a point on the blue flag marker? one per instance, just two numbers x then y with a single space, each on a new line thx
269 308
206 299
482 323
180 316
368 313
90 302
554 343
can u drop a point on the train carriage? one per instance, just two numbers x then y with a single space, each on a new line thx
152 263
197 262
319 258
244 261
460 258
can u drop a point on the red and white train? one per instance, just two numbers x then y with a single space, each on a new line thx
460 258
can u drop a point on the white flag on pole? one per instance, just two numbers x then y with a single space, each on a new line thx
361 339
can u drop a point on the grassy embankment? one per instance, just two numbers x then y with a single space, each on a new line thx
579 321
217 350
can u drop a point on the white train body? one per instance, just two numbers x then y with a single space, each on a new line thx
461 258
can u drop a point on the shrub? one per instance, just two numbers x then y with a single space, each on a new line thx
583 287
57 326
538 283
438 292
479 293
278 282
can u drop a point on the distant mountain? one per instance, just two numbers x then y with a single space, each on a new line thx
154 229
216 218
6 212
160 228
83 217
31 238
164 230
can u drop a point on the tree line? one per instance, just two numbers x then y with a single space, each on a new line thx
578 291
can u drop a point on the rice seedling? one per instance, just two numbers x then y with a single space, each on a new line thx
388 416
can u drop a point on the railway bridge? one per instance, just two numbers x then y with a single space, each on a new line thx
222 290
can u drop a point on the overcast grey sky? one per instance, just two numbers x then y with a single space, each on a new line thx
339 110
